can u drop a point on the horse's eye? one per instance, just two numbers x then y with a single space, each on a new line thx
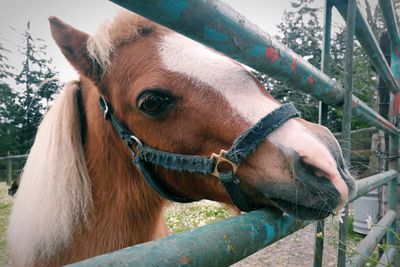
155 103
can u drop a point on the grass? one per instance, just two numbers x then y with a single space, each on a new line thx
184 217
5 208
179 217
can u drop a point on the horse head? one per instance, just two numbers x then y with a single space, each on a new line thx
179 96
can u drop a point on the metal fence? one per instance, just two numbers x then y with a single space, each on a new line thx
215 24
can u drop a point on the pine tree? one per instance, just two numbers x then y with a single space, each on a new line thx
38 84
8 106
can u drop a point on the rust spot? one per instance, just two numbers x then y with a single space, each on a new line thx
397 50
310 80
355 103
396 103
294 64
185 260
385 122
271 54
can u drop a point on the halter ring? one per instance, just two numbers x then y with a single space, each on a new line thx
136 146
104 107
221 158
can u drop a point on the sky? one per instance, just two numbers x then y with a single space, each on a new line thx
87 15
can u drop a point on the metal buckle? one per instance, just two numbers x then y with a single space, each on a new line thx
136 146
222 158
104 106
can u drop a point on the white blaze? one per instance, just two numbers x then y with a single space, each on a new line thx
189 58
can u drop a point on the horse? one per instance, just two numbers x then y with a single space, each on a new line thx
83 192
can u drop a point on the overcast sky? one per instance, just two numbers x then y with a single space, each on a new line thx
87 15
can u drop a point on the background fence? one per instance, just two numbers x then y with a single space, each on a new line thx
11 167
215 24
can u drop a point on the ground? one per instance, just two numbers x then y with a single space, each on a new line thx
295 250
5 206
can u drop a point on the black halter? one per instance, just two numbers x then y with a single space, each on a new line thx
243 146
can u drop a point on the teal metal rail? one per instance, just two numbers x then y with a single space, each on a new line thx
215 24
222 243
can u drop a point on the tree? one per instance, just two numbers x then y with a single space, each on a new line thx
38 84
8 106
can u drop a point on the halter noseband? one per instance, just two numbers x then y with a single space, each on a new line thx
243 146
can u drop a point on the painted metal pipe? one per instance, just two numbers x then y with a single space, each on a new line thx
366 38
346 118
322 119
392 205
370 183
222 243
215 24
370 116
394 142
389 16
387 257
368 244
218 244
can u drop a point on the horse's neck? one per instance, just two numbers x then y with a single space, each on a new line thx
125 210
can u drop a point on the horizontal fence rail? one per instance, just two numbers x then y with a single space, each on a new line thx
368 244
218 244
217 25
14 157
370 183
370 116
222 243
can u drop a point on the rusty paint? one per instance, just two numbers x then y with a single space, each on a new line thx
355 103
396 102
185 260
310 80
386 123
397 51
294 64
271 54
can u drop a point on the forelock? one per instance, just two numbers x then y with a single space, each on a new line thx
124 28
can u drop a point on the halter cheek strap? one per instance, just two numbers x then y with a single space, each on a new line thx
242 147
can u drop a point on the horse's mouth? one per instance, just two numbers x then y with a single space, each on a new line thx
300 211
309 197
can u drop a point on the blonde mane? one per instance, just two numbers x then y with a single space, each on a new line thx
124 28
55 191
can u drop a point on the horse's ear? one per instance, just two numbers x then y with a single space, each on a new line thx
73 44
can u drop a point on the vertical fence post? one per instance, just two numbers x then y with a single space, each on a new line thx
9 170
346 119
394 113
322 119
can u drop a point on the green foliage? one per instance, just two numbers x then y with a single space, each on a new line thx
184 217
301 31
25 96
8 106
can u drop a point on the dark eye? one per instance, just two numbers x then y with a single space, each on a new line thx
155 103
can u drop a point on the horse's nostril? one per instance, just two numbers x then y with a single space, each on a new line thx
312 169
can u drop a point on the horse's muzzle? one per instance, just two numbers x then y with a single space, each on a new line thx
309 197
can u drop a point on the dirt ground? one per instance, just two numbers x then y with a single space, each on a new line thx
296 250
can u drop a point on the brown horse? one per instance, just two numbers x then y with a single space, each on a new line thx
81 195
